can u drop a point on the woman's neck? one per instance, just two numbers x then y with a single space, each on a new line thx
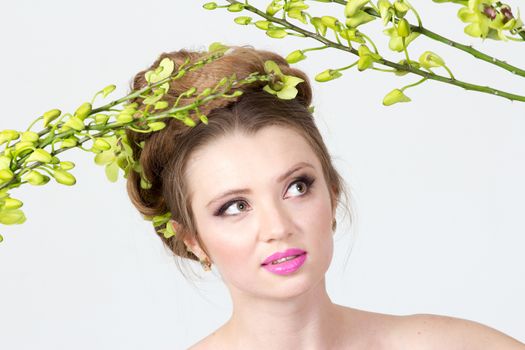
306 321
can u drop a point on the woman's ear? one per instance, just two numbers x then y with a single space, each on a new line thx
190 242
334 199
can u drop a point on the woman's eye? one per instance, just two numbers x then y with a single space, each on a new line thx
240 204
302 184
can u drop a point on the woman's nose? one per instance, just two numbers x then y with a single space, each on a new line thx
275 221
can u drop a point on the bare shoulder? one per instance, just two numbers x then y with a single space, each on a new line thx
203 344
426 331
210 342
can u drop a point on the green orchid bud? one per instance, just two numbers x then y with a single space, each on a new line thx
400 9
235 7
54 160
101 144
51 115
64 178
206 92
105 157
366 57
354 6
111 171
161 105
5 162
12 217
22 148
403 62
83 111
101 119
216 46
327 75
190 91
295 56
429 59
6 175
210 5
124 118
273 8
403 28
331 22
64 128
107 90
69 142
385 10
180 115
189 122
263 24
159 220
298 14
156 126
236 93
75 123
8 135
296 4
169 231
352 34
317 22
8 152
30 136
361 17
11 204
39 155
364 62
243 20
124 164
276 33
66 165
145 184
35 178
203 118
395 96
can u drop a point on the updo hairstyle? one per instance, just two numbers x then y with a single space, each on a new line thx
166 152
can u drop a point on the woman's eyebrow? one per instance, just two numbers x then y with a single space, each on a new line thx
281 178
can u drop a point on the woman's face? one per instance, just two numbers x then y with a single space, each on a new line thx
273 214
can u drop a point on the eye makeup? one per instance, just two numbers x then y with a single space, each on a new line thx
304 178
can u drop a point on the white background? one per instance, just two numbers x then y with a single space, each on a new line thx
437 183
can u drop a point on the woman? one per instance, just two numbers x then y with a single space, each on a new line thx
254 193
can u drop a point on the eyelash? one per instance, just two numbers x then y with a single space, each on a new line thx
306 179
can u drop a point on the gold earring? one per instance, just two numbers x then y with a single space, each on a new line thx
334 224
206 264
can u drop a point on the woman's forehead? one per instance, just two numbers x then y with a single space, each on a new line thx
272 145
237 158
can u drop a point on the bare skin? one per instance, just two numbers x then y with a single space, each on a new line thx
364 330
294 311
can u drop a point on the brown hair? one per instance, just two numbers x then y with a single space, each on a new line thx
166 152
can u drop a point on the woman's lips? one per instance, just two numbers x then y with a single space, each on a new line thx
280 255
287 267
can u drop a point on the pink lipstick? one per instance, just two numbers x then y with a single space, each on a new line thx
285 263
